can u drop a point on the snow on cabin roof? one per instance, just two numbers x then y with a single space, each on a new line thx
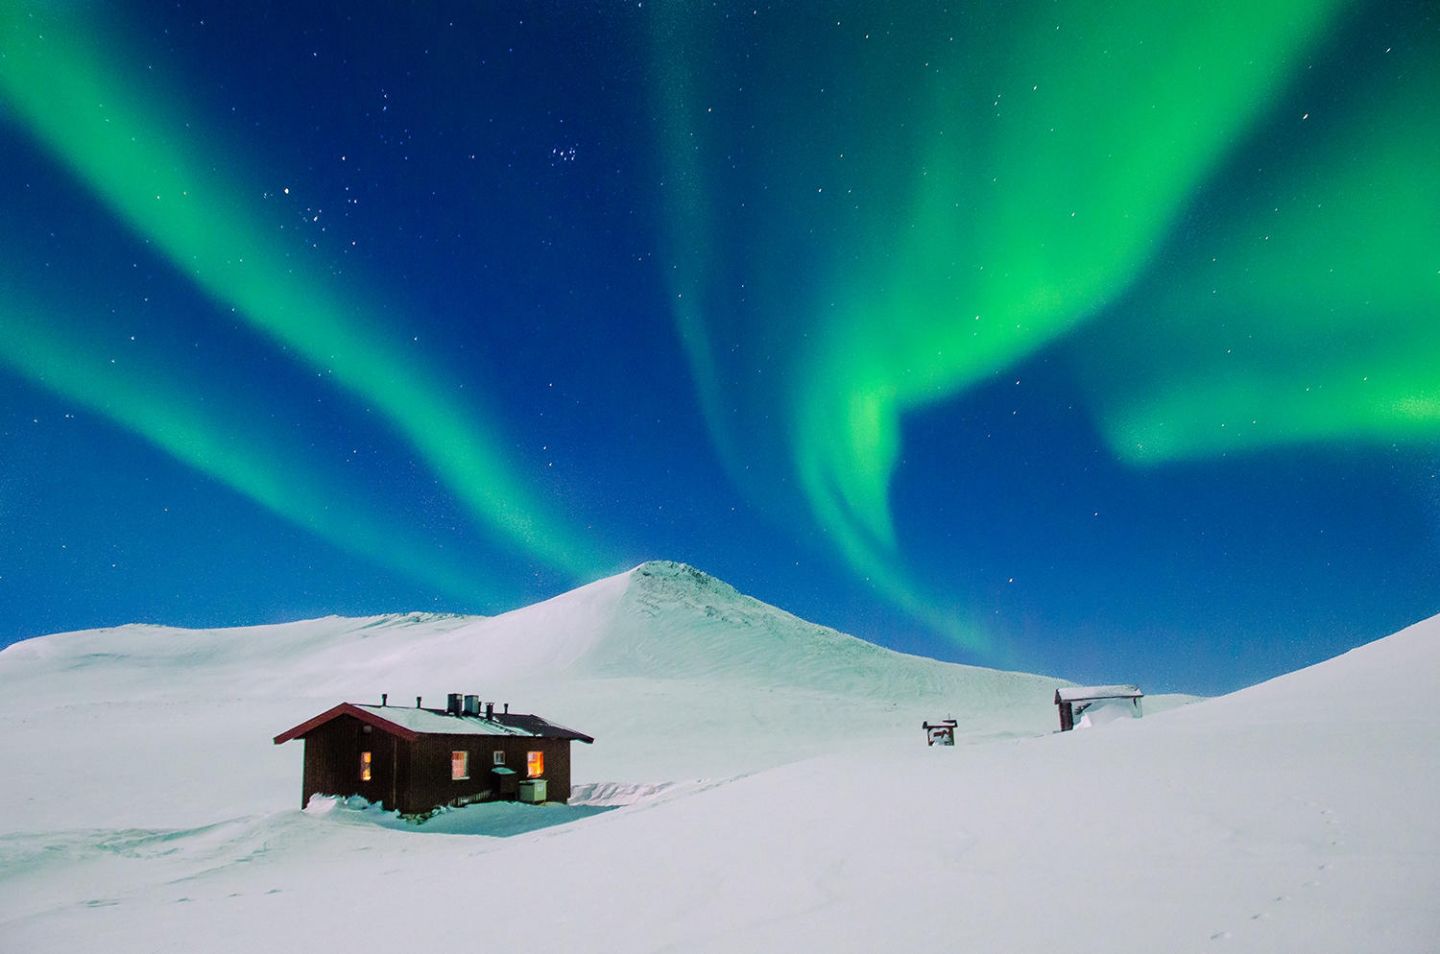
432 722
540 727
1086 693
411 723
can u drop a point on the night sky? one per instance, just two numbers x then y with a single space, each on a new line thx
1100 339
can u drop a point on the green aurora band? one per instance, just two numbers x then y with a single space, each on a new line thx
169 183
873 210
143 393
869 212
1310 311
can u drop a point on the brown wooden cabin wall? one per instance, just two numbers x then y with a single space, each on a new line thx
557 766
429 768
332 762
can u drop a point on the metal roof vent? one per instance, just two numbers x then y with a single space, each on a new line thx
472 705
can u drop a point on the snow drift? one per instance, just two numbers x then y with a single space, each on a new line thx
758 783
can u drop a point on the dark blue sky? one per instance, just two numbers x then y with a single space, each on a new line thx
495 187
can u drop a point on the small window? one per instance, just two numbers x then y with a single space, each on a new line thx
366 760
534 764
459 766
498 757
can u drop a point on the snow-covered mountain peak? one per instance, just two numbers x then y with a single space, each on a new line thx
674 621
679 575
414 619
663 586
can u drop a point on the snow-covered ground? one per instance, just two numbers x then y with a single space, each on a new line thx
757 783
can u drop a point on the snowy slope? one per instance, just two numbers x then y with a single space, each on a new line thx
639 660
1291 816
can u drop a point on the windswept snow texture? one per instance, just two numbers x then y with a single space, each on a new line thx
757 783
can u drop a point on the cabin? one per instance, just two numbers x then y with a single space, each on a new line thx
414 760
1074 700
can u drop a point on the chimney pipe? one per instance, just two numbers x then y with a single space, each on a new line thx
489 710
417 702
384 698
507 708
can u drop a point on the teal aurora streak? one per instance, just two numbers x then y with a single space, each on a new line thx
173 185
867 211
940 196
145 393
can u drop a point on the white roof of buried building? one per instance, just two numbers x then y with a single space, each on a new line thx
1089 693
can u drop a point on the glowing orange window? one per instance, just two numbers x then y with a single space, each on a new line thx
534 764
366 760
459 765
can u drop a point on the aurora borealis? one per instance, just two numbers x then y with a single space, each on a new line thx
1070 336
155 172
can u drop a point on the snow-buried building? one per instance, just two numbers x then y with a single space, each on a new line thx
1075 700
413 760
